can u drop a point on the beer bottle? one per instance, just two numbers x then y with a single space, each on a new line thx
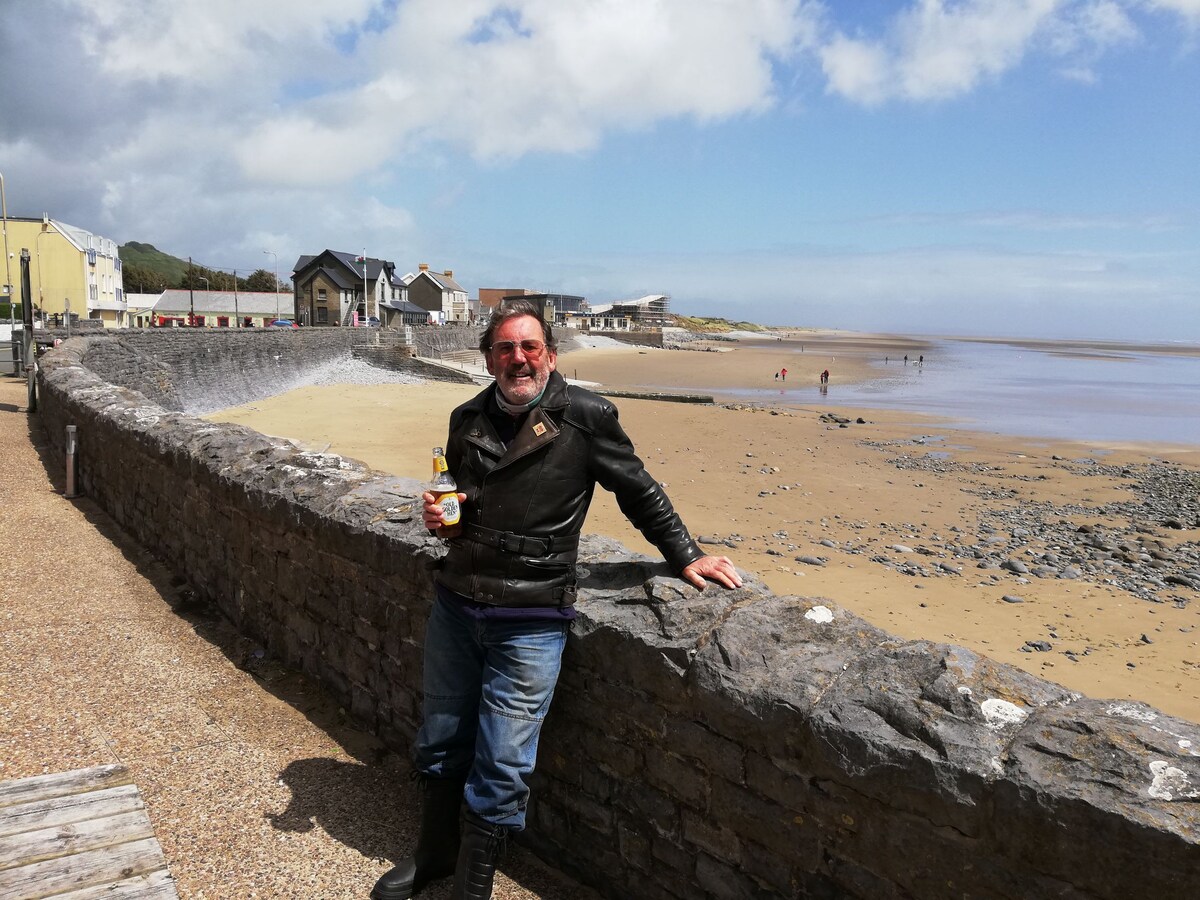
445 490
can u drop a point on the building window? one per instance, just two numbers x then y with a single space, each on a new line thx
222 321
322 315
321 295
200 321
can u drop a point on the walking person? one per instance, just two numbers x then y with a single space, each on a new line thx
526 453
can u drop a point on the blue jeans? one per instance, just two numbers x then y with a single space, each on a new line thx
488 685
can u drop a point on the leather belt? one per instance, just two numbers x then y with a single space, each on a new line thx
521 544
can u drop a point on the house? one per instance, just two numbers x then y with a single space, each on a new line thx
335 288
71 270
402 312
439 294
218 309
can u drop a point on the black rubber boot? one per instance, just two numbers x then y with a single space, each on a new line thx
482 846
437 843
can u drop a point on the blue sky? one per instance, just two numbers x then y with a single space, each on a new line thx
1025 168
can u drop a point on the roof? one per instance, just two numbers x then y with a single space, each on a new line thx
443 281
403 306
350 266
249 303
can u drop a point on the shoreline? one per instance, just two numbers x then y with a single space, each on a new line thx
907 522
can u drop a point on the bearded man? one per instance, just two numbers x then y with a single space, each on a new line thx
527 454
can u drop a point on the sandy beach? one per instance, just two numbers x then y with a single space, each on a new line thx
907 531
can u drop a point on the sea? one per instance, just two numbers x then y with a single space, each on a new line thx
1113 393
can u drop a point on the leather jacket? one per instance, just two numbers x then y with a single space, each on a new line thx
526 505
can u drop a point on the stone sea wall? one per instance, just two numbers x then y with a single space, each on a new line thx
701 744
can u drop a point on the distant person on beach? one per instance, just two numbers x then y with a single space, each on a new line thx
906 359
526 453
783 374
825 377
921 360
776 376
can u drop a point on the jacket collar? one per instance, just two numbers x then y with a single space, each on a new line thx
537 430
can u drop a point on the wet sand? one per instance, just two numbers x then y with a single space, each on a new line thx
772 484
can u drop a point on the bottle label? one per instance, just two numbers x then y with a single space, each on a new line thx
450 505
440 465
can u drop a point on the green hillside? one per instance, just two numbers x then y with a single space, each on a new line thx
148 257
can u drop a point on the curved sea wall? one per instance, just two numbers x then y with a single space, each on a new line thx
702 744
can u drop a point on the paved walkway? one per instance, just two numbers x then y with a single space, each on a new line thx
254 782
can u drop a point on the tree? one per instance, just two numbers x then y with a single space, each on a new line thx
137 279
262 280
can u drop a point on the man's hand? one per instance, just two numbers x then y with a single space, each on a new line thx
433 514
719 568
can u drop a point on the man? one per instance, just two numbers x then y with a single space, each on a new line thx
527 454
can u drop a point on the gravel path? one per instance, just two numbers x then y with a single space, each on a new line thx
255 783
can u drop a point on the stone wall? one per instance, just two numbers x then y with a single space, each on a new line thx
637 338
701 745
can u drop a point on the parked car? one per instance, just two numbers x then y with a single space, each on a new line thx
284 323
373 321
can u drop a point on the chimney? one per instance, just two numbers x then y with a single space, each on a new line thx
424 267
449 273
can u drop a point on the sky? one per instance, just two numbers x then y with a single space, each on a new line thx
998 167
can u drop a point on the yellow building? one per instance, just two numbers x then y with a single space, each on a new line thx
69 269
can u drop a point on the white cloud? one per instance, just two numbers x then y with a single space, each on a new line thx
215 42
936 50
1189 9
505 79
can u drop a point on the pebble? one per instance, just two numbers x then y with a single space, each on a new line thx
1012 598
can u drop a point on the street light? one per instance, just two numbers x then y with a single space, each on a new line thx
276 255
8 287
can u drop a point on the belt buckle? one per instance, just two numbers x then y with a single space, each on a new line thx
504 542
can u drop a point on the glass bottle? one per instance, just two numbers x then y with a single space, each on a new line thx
445 489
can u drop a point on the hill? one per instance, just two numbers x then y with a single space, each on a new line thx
711 325
147 256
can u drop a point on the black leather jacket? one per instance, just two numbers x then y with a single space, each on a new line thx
526 505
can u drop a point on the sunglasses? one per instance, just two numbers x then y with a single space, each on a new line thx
528 347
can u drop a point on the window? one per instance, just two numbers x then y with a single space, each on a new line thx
200 321
322 315
321 296
222 321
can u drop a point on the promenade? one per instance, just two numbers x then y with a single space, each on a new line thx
255 783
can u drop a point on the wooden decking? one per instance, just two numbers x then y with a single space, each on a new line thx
77 836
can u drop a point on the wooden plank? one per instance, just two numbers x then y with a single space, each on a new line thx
154 886
94 867
62 784
68 810
79 837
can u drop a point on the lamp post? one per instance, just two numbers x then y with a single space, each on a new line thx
276 256
8 286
